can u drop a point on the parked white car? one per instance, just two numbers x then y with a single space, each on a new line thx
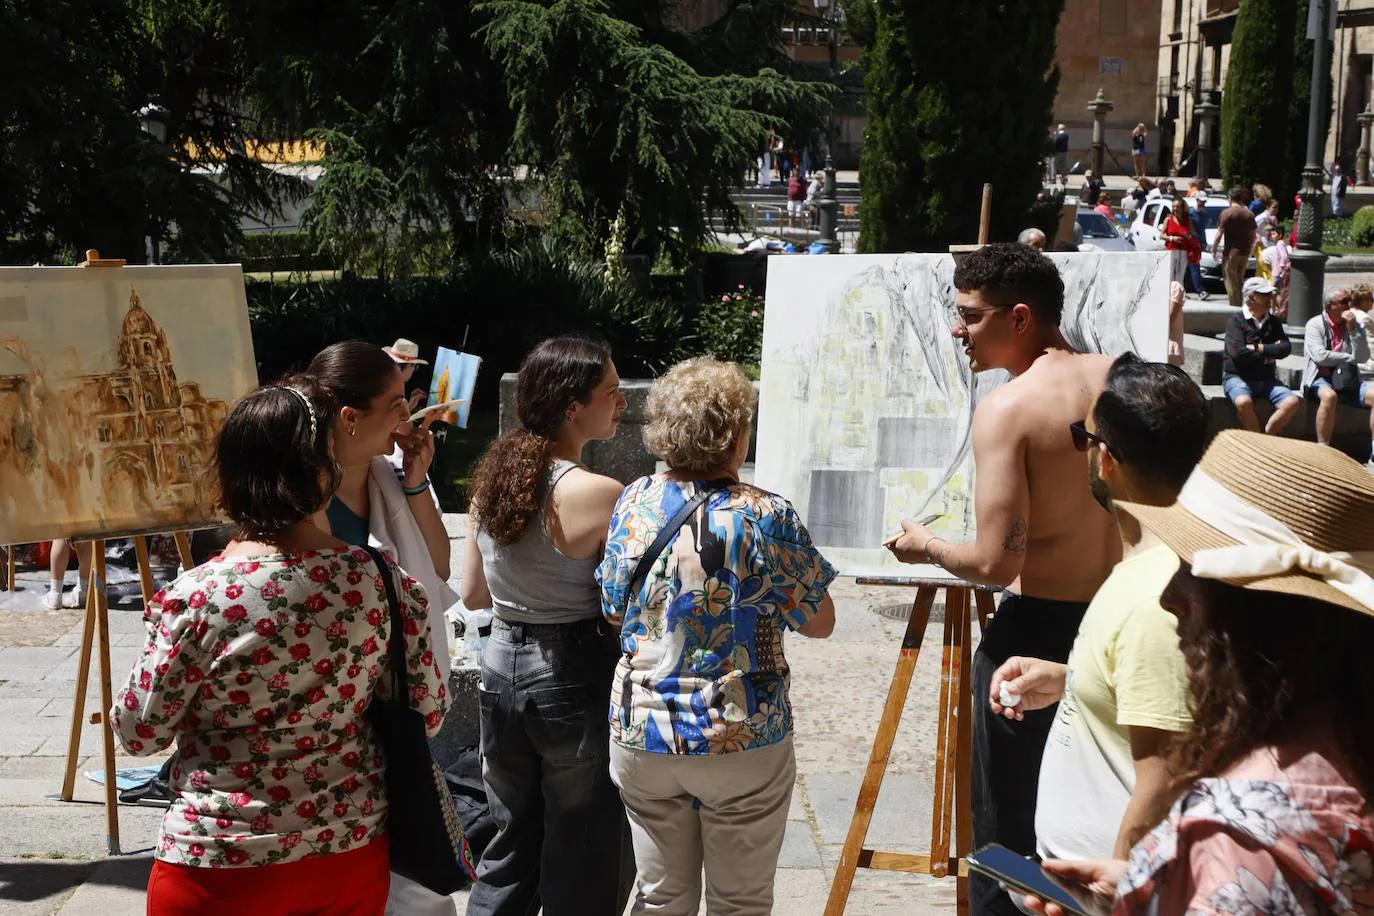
1096 232
1147 230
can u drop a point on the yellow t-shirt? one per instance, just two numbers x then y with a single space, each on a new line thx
1125 669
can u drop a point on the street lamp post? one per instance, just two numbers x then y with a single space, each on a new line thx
153 119
1309 262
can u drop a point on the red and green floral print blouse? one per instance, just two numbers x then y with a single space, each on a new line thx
261 670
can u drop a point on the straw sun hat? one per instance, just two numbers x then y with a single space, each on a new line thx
1274 514
405 353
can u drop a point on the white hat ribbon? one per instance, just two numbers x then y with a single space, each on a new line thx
1268 547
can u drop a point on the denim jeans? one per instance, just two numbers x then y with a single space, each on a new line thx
1006 754
562 839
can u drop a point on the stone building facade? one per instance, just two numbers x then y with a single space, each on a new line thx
1194 54
1108 45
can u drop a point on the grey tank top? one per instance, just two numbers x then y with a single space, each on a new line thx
531 581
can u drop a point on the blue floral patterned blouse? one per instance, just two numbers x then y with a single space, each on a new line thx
703 670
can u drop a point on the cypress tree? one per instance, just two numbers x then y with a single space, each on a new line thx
1259 88
957 94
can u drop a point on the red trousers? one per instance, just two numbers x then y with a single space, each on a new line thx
353 883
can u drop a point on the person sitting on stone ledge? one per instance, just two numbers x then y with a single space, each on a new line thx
1255 342
701 725
1335 345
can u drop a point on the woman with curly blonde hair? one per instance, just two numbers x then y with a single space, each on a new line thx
538 527
701 727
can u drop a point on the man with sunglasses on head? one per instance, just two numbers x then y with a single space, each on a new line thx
1040 534
1124 693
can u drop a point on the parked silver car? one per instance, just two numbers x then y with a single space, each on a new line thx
1096 232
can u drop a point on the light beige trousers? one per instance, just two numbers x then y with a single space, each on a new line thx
724 812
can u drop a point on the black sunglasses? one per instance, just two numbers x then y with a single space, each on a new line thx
1081 438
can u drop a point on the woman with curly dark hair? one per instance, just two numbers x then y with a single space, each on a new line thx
539 522
1275 601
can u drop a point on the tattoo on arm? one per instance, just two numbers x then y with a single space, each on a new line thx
938 555
1015 542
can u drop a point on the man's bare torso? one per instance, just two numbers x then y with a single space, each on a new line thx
1071 542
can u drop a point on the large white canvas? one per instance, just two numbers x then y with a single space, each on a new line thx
866 401
114 382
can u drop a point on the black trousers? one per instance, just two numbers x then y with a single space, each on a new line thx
1006 754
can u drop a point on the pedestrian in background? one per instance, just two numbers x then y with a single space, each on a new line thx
1138 137
1236 239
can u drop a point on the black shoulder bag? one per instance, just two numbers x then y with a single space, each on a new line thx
427 841
665 534
1345 377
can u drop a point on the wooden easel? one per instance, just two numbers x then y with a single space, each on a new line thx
97 625
953 745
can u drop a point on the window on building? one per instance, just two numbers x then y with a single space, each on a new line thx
181 464
159 429
104 433
148 400
1178 18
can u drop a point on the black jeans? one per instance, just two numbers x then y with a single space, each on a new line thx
562 839
1006 754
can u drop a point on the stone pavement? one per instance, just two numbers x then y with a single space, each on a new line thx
53 855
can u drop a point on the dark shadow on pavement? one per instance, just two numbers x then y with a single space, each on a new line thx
36 879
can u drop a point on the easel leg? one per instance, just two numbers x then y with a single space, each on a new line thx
145 570
83 675
184 550
102 622
963 761
882 751
947 737
986 608
9 566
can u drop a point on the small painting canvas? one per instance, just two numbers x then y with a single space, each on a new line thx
455 378
114 383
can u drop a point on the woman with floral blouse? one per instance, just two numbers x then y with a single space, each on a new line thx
701 726
259 666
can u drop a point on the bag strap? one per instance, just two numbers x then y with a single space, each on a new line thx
666 533
398 626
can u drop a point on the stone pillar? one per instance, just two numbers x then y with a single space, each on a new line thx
1099 108
1366 119
1207 113
829 207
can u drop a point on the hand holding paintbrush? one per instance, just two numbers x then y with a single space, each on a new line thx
902 553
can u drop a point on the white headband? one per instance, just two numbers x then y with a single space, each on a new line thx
1267 546
309 409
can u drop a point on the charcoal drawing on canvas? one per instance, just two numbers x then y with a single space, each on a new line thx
866 401
114 383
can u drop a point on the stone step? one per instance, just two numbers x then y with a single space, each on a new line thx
1203 356
1351 436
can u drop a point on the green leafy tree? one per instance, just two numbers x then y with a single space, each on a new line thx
622 128
1259 87
952 103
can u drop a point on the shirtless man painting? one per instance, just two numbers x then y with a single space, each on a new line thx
1041 535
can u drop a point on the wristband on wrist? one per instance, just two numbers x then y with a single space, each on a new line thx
415 491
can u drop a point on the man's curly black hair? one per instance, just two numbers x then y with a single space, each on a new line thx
1005 273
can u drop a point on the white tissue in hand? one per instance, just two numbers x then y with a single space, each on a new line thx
1007 696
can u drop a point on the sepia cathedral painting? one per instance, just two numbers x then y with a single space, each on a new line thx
114 383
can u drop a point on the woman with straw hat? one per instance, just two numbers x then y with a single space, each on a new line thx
1275 601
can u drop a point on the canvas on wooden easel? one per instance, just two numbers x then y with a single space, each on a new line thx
113 386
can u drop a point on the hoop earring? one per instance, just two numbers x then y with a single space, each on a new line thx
352 431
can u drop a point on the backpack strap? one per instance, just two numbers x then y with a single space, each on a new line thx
666 534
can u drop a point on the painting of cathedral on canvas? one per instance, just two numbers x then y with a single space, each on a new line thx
114 384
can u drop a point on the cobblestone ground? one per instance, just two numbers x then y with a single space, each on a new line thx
53 856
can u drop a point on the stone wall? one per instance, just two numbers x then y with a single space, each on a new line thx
625 457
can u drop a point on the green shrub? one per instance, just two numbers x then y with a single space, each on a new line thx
496 305
731 327
1336 230
1362 227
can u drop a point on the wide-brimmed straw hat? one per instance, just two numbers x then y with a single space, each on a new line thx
405 353
1277 515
